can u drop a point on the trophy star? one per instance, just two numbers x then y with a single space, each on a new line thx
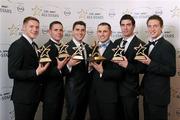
78 51
140 49
63 48
45 51
118 51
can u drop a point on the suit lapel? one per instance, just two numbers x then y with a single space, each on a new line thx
108 53
70 49
29 47
130 51
156 47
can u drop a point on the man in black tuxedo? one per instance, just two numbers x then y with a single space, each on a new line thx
77 81
103 92
129 85
160 66
53 90
25 69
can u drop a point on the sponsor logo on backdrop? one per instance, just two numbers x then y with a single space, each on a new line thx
5 9
5 94
158 11
82 14
90 31
67 12
116 35
141 12
169 32
49 13
112 13
175 93
39 11
67 32
44 30
14 30
127 11
20 8
3 53
175 12
92 14
11 114
36 11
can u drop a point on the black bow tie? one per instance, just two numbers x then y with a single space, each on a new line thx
152 43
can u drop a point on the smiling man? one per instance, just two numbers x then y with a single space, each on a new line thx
160 66
129 85
77 81
25 69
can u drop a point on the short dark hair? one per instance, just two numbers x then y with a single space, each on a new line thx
105 24
128 17
54 22
79 23
155 17
27 19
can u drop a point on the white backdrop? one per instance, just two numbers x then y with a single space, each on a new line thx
92 12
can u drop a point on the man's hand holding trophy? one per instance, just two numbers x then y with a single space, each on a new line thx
95 55
140 55
44 59
44 54
119 57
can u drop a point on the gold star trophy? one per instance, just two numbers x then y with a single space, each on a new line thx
95 55
78 55
140 55
62 51
118 53
44 54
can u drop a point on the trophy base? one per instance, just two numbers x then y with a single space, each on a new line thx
62 56
140 57
45 60
98 58
117 58
78 57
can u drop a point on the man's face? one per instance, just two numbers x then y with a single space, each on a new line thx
56 32
154 28
103 33
31 29
127 28
79 32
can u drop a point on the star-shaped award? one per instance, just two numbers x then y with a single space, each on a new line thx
118 53
44 54
63 51
140 52
78 55
95 55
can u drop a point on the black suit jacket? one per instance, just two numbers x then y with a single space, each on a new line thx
78 77
53 78
22 63
105 87
157 75
129 86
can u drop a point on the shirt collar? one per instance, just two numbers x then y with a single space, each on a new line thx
106 43
76 42
129 39
27 38
54 41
